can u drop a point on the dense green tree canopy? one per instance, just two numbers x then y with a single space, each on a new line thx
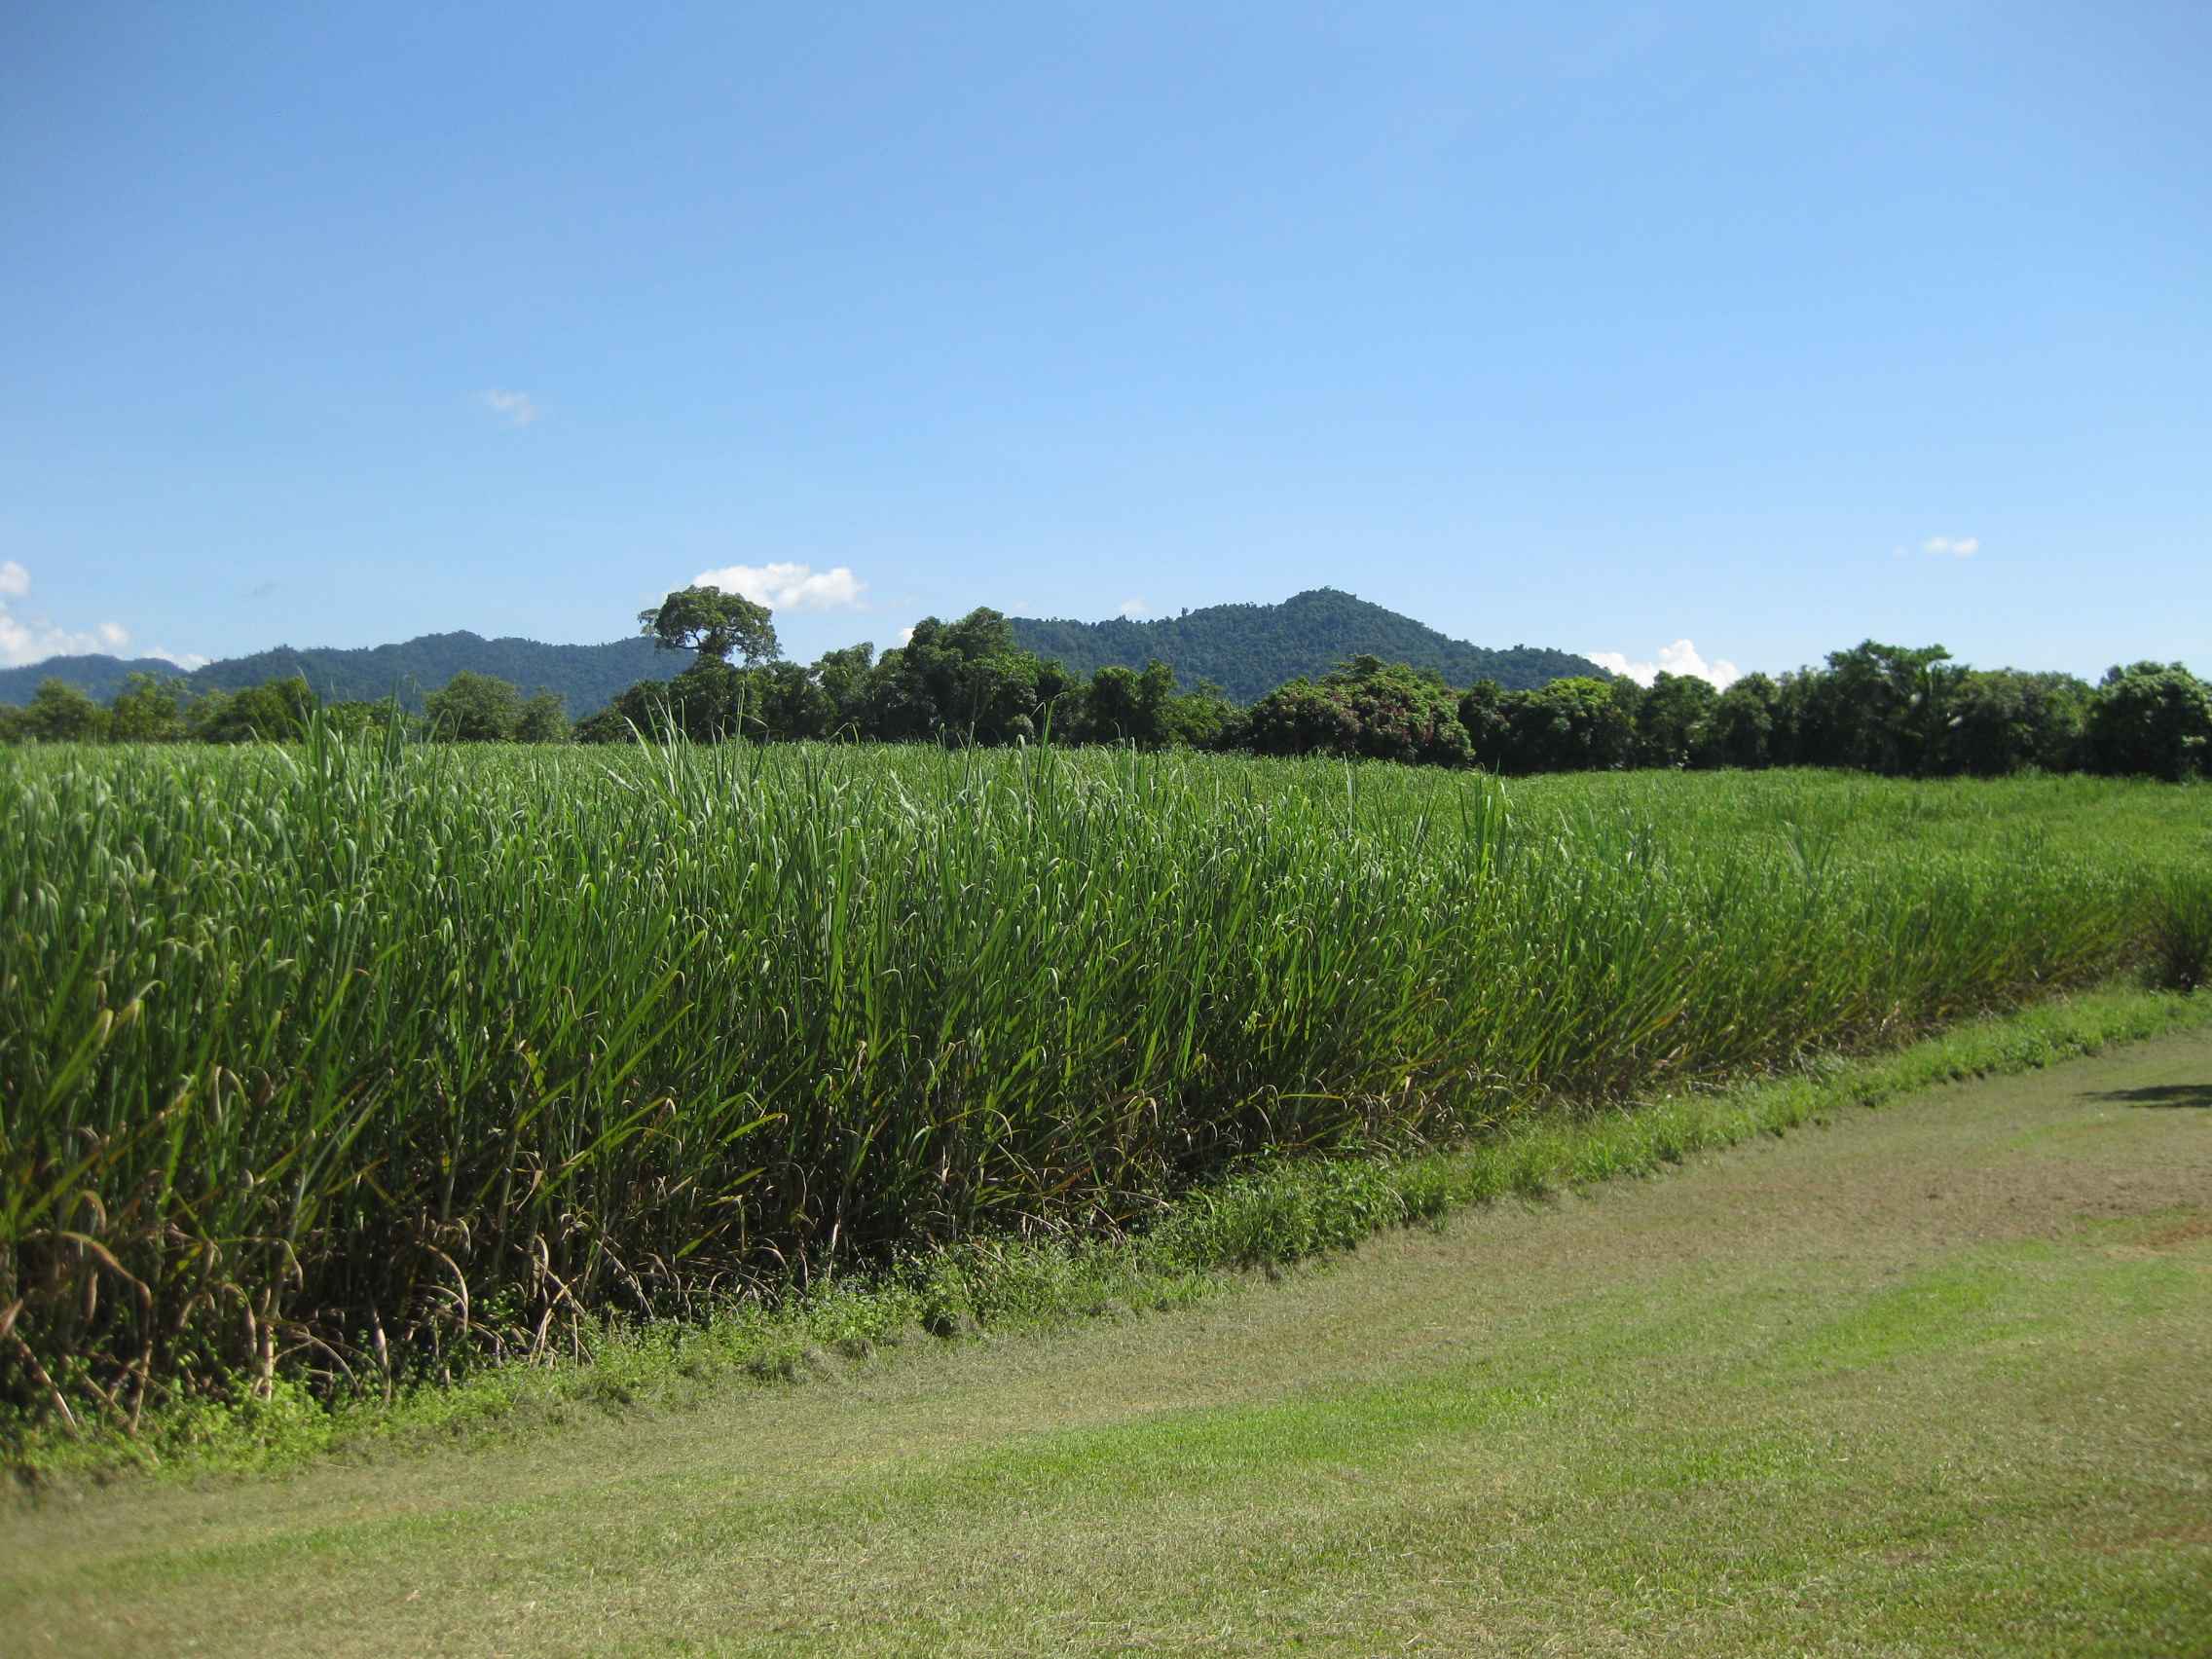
542 719
1674 721
59 713
2001 720
277 712
2151 719
1576 724
1124 706
1368 709
150 709
712 623
1740 730
475 708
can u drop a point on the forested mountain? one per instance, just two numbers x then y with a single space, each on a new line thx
1250 650
586 677
1247 649
99 677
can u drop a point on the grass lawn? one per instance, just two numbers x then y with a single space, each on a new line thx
1933 1380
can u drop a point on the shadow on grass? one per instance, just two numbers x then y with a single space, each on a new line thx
2164 1094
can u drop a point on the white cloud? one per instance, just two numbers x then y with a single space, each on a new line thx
1956 546
186 660
33 639
906 635
1133 609
1680 657
518 408
789 587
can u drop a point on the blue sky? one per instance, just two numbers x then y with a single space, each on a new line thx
1767 328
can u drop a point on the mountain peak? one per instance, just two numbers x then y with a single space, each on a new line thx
1250 650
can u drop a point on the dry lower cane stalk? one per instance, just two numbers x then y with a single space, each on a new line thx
40 1376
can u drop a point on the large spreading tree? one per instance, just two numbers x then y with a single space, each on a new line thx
713 623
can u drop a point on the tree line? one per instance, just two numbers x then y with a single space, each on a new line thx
1875 708
1909 712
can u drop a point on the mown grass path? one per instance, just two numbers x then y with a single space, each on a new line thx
1935 1379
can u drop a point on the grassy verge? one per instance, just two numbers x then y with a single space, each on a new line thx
1267 1217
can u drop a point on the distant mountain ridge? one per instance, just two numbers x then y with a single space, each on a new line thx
1250 650
587 677
1247 649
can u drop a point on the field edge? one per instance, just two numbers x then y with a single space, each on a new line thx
1215 1241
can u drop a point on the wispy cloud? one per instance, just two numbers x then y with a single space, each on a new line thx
1681 657
1133 608
186 660
35 638
789 588
516 408
1953 546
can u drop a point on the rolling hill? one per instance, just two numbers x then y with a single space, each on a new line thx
587 677
1250 650
1247 649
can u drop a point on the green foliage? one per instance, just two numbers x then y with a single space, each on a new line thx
2181 933
1368 709
1674 721
425 1054
2151 720
59 713
542 719
1275 1212
707 701
843 678
963 682
275 712
712 623
1576 724
1298 718
1124 706
1740 730
149 709
1877 709
1484 717
2001 720
1203 719
788 702
475 708
1874 708
352 718
480 707
955 684
1252 650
